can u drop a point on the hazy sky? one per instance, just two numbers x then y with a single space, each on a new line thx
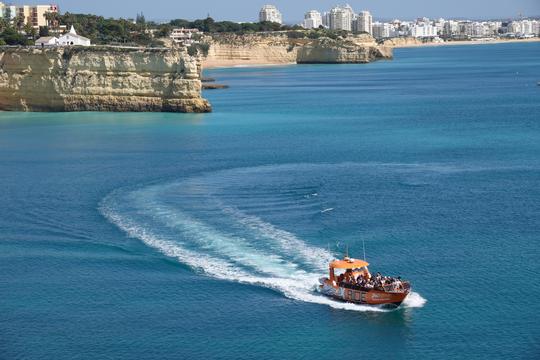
293 10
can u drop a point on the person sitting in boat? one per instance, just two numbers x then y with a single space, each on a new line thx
379 282
398 285
364 272
362 282
349 276
369 285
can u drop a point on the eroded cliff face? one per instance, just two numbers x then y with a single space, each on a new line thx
278 48
100 79
231 50
405 42
326 51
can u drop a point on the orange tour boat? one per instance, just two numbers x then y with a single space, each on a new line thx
350 280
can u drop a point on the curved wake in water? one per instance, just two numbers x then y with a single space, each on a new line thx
228 244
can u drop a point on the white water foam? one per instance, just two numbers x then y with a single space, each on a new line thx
414 300
317 257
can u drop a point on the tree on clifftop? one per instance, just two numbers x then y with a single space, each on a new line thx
10 36
19 21
53 19
30 31
4 24
43 31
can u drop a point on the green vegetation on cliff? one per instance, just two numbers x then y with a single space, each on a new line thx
317 34
208 25
109 31
123 31
10 33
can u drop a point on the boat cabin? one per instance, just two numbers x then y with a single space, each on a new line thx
342 269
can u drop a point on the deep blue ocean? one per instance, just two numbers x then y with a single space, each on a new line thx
202 236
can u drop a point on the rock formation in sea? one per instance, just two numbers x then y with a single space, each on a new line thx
100 79
280 48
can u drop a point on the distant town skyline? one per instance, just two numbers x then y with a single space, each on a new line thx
247 10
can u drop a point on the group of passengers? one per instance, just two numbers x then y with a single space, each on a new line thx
367 282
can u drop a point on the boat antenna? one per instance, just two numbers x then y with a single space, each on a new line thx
364 248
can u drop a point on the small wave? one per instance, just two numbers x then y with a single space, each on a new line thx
326 210
309 196
414 184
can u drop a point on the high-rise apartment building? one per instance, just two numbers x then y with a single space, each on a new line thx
312 19
341 18
536 27
450 28
382 30
364 22
270 13
423 30
33 15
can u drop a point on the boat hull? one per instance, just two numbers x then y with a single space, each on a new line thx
364 297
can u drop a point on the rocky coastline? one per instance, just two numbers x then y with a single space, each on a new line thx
107 78
280 49
100 78
328 51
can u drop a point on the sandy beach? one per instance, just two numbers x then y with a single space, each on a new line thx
467 42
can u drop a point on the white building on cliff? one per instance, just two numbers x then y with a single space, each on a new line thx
47 41
72 38
185 36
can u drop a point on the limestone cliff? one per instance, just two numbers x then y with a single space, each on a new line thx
100 79
407 42
326 51
278 48
231 49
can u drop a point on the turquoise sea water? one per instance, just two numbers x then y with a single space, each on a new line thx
173 236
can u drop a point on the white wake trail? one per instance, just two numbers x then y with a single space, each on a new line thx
289 243
197 244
